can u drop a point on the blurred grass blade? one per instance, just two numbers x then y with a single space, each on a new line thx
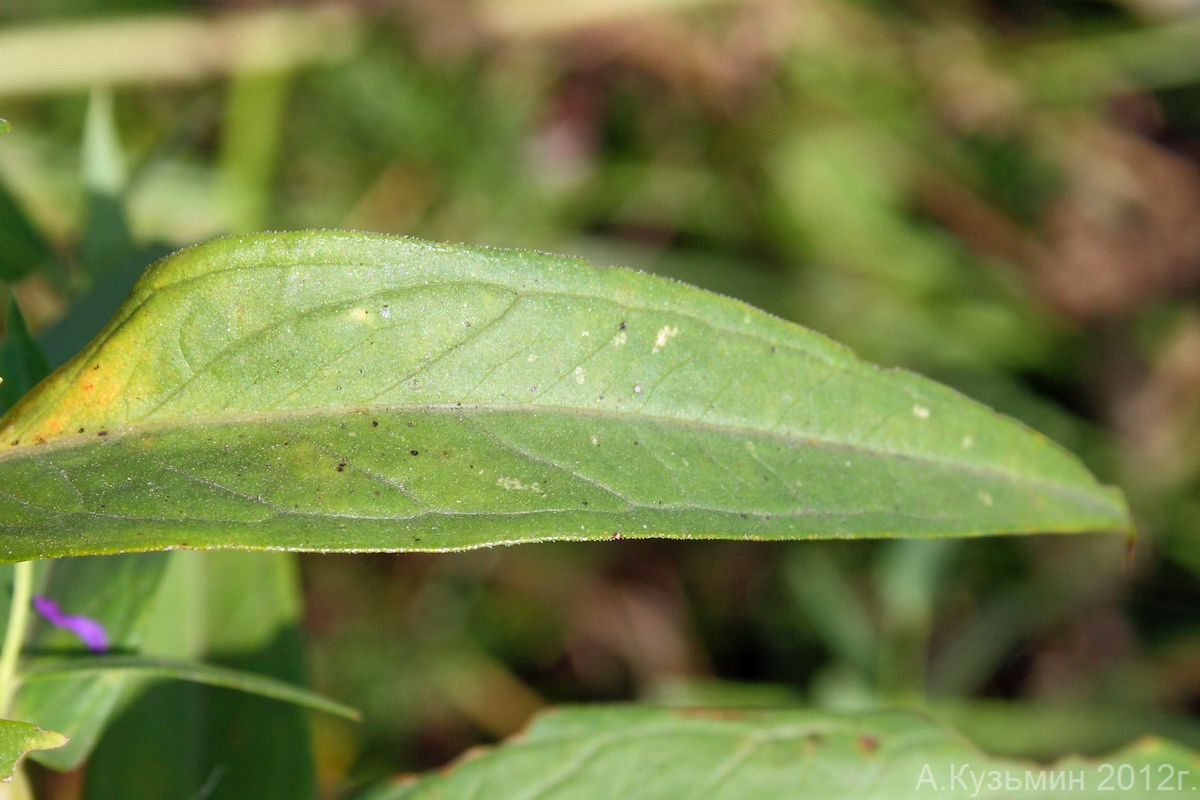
638 753
340 391
144 667
22 364
106 238
17 739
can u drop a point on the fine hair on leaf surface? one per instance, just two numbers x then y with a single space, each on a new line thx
342 391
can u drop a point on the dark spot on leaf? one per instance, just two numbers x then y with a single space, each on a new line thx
773 348
341 467
377 493
16 442
585 502
102 433
374 423
467 323
533 388
636 443
104 505
744 516
621 327
410 424
868 744
95 366
81 430
415 452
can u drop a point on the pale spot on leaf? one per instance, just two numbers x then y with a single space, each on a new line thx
665 334
514 485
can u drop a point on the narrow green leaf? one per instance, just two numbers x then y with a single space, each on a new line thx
19 738
340 391
5 127
240 610
22 364
639 753
144 667
107 242
25 247
116 591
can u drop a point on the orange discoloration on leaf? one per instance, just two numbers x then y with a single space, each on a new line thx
90 398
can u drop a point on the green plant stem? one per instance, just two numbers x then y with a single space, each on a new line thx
14 634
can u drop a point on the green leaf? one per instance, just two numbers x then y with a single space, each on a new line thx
639 753
18 738
144 667
107 242
340 391
22 364
239 610
25 247
5 127
117 591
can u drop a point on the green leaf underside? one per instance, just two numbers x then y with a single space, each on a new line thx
144 667
336 391
18 738
638 753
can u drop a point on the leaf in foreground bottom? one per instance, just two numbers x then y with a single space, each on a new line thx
337 391
639 753
18 738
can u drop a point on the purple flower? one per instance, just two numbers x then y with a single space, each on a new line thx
89 631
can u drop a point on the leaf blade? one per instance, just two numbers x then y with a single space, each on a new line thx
19 738
596 401
642 753
210 674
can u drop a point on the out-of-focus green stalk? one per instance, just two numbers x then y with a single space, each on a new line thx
14 634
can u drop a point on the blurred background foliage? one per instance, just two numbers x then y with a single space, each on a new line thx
1004 196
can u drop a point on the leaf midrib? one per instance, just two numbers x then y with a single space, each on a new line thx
1070 491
